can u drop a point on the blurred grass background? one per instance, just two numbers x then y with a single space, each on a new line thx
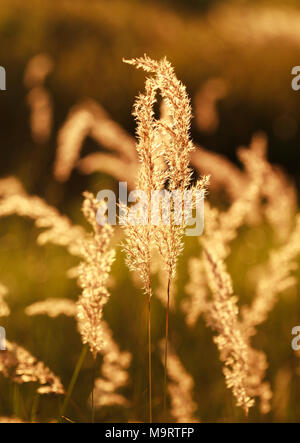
87 39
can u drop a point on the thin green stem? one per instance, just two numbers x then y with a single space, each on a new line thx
74 378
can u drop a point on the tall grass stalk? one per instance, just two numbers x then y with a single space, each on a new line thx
93 390
75 374
149 359
166 344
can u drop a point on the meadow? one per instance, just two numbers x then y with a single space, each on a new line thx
142 323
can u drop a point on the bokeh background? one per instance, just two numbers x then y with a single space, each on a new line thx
251 47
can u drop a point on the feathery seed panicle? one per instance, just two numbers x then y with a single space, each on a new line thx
20 366
70 140
249 369
164 148
10 185
276 189
179 109
114 369
39 99
37 69
222 316
58 228
139 237
41 109
93 274
246 205
244 367
173 132
180 388
114 374
90 119
277 277
138 226
223 231
217 314
52 307
196 303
